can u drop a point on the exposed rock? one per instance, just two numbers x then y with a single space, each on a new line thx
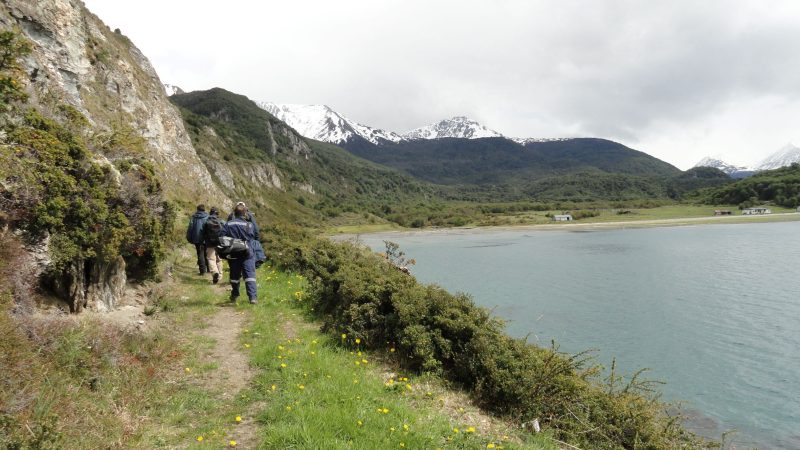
78 60
89 284
264 174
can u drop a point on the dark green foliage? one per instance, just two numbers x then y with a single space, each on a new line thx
501 161
779 186
364 296
54 185
12 47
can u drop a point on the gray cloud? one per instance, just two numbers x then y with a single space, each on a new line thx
677 79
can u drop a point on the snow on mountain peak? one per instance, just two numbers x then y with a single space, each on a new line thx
784 157
171 89
733 170
457 127
322 123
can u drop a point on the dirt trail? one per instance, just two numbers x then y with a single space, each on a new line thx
233 373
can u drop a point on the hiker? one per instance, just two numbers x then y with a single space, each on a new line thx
240 228
194 234
211 232
248 217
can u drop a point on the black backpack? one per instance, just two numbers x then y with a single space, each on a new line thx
212 230
232 248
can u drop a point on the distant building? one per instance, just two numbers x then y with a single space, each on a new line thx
722 212
562 217
755 211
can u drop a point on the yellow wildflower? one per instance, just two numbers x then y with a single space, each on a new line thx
490 445
232 444
188 370
391 350
359 423
274 387
455 430
405 427
238 419
358 341
470 430
199 438
283 365
344 336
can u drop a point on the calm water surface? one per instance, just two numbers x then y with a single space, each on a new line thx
714 311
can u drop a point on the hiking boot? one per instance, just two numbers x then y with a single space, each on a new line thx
233 298
253 301
215 278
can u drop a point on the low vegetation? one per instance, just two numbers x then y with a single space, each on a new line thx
359 295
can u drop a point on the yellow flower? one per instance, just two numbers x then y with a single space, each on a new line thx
301 387
402 444
238 418
359 423
364 361
344 336
358 341
405 427
470 430
188 370
391 350
246 345
274 387
283 365
280 347
288 408
314 341
391 429
232 443
199 438
490 445
455 430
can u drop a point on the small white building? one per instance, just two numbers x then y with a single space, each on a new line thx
755 211
562 217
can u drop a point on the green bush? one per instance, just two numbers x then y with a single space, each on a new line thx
360 294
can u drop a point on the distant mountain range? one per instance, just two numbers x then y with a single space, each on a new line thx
786 156
322 123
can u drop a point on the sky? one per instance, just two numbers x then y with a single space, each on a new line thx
679 80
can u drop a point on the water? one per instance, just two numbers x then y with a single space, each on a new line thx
714 311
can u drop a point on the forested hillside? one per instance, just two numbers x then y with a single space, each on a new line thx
779 186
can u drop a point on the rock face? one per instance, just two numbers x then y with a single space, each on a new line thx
78 60
92 285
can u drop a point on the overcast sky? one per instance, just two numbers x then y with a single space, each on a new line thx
676 79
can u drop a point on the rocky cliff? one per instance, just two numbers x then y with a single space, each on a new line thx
77 59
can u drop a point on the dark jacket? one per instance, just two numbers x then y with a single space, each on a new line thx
211 233
252 219
239 228
194 232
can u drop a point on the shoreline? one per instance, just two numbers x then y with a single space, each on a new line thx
581 227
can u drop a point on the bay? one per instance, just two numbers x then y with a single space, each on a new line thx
713 311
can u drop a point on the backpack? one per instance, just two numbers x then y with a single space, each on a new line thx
212 230
232 248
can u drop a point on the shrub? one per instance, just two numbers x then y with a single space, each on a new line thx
362 295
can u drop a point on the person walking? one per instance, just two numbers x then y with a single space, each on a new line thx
248 217
194 234
240 228
212 229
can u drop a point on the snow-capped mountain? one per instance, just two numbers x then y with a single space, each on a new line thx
322 123
524 141
171 89
457 127
721 165
784 157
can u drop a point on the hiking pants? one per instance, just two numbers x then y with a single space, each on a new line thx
248 266
201 258
214 263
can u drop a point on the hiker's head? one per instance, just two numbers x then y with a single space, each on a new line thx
201 207
214 211
240 210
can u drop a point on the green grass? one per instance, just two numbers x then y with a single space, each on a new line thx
328 393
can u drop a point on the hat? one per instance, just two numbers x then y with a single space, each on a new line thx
241 203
